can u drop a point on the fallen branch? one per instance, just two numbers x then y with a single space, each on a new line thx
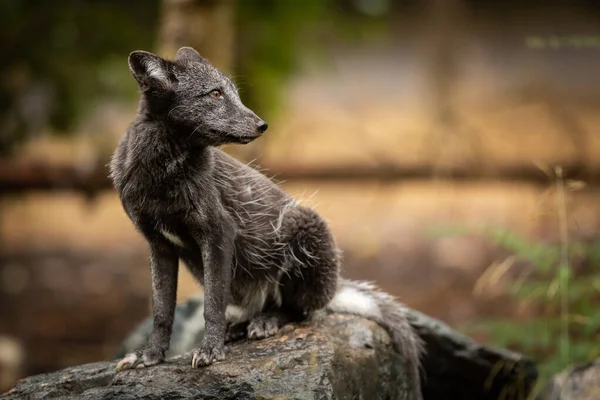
19 176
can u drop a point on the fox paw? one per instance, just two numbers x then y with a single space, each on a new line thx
207 355
263 326
140 359
235 332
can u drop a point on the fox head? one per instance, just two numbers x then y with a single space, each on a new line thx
193 99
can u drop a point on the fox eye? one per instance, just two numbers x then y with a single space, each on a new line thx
216 94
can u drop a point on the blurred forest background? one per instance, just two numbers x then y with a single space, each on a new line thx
452 144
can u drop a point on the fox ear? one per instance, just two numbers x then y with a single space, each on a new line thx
149 70
187 54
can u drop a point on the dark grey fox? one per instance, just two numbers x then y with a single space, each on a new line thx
263 259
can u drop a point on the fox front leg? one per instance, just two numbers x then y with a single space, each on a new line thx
217 258
164 266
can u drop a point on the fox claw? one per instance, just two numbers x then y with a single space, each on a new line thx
140 359
128 362
263 326
206 356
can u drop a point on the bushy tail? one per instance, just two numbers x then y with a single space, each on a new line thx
365 300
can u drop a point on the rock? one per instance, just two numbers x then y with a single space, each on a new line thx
581 382
331 357
455 367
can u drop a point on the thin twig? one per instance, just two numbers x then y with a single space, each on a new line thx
563 269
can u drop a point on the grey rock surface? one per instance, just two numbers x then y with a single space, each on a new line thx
580 382
331 357
456 367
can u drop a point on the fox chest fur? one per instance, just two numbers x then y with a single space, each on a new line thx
163 186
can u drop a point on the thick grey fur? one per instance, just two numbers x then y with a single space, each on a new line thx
248 242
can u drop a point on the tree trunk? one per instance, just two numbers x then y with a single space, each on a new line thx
205 25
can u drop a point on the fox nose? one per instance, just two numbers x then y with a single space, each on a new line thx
262 126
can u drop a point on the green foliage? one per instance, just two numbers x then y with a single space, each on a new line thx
276 36
567 321
270 34
58 56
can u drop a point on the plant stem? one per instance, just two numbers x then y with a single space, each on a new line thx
563 269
